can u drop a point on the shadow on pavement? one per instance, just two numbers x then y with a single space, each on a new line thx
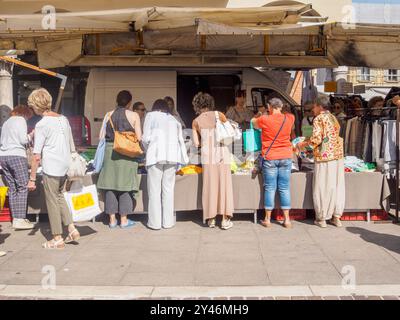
387 241
3 237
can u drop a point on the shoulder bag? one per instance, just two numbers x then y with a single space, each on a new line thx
226 132
126 143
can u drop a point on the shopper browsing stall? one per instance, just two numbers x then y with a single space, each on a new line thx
119 176
140 109
277 158
13 160
52 148
329 181
174 111
217 195
165 152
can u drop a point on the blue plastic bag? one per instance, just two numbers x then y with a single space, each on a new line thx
252 139
101 149
99 156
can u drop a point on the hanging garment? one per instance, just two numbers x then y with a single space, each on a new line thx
376 141
347 134
367 144
389 140
354 137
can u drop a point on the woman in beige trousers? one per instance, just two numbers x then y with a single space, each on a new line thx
329 182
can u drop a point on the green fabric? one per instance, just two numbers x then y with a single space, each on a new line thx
307 131
119 173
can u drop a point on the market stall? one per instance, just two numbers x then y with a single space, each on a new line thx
364 192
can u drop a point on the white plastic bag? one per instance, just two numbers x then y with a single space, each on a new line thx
225 132
77 167
83 202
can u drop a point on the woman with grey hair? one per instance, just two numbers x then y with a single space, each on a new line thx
329 181
277 158
217 195
52 148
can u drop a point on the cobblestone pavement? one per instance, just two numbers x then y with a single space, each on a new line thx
192 256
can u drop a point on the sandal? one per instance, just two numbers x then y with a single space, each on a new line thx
266 223
288 225
53 244
113 225
129 225
73 236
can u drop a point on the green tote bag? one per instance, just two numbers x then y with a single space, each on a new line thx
252 139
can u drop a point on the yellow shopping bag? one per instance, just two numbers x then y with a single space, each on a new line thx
3 195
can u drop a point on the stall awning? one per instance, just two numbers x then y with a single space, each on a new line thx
274 36
156 18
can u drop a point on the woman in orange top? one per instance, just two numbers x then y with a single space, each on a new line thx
277 158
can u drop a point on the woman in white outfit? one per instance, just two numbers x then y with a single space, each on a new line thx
165 153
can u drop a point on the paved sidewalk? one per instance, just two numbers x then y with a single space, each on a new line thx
194 257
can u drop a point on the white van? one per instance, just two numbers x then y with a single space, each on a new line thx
148 85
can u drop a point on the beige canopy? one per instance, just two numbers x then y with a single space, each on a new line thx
284 35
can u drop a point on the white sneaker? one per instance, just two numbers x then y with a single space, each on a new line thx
212 223
226 224
336 222
3 253
22 224
321 224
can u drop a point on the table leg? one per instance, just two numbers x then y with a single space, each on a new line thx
37 218
368 216
255 216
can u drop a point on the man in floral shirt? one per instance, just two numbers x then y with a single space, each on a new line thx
329 181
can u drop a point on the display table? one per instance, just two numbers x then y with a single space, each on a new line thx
364 191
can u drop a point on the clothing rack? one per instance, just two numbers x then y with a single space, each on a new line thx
397 180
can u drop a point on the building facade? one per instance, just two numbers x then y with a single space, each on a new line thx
378 82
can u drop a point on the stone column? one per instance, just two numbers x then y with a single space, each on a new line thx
6 91
340 73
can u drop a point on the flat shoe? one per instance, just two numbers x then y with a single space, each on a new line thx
129 225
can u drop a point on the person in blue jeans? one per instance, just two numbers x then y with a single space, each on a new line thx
277 154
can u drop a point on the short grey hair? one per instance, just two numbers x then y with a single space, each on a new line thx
324 102
276 103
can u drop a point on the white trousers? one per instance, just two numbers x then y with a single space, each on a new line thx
329 192
160 188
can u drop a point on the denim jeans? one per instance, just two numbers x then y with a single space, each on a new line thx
276 175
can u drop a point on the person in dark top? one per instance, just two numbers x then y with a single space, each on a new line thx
119 175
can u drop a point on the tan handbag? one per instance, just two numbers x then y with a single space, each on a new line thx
126 143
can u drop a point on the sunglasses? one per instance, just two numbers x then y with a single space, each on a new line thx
143 110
